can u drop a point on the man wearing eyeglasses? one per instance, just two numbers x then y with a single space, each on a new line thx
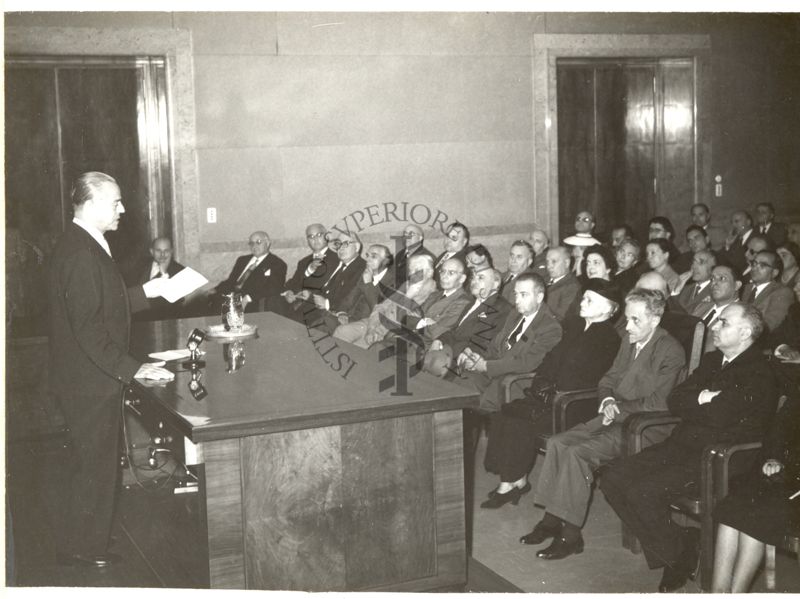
345 277
258 276
414 240
770 297
441 310
312 270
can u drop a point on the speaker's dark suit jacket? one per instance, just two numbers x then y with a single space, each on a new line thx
159 308
316 279
542 335
264 285
640 488
89 363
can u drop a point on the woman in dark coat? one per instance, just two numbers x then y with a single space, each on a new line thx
762 511
583 355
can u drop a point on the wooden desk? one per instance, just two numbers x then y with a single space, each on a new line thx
312 478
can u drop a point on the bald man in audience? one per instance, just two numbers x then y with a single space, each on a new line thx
697 290
563 286
476 326
161 265
520 260
645 370
765 292
724 288
441 310
311 273
334 294
414 243
729 398
390 314
258 276
526 337
540 243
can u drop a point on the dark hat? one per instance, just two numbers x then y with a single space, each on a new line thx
608 290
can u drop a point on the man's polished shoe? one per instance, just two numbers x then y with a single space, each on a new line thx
561 548
91 561
672 579
539 534
500 499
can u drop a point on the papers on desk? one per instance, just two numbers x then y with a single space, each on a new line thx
175 287
171 354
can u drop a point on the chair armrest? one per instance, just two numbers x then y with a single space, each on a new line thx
635 425
508 380
564 400
715 473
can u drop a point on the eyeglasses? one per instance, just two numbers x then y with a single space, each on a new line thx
756 263
452 273
315 236
409 234
334 243
348 243
256 242
583 219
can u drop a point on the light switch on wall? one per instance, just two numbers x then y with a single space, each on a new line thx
718 186
211 215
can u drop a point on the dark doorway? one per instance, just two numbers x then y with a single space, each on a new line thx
626 140
68 116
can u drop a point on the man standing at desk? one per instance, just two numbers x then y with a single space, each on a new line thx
89 364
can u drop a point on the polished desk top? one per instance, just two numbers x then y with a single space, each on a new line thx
293 378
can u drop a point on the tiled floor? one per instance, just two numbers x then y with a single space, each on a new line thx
603 567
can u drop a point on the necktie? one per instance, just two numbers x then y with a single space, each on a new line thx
749 294
509 278
709 317
339 268
725 362
695 291
474 307
158 275
245 274
512 338
763 229
636 350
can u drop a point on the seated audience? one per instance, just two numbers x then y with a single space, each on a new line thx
724 290
584 226
736 241
476 327
414 243
598 263
389 314
728 402
258 276
161 265
312 271
540 243
765 215
789 253
455 243
520 259
478 258
788 332
441 309
755 243
626 273
583 355
344 278
701 216
644 372
658 258
763 291
660 227
563 287
526 337
620 234
759 511
375 285
698 290
697 240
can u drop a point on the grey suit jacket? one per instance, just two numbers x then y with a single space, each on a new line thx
773 302
444 310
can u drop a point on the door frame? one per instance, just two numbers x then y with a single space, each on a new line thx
548 48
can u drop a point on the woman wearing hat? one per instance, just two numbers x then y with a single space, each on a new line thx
583 355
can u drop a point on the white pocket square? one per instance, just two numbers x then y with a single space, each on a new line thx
267 272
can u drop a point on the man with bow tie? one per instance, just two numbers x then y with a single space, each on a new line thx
258 276
729 398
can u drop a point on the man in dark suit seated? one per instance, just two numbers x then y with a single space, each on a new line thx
701 216
644 371
526 337
476 326
455 242
374 286
311 273
520 260
160 266
540 243
765 215
440 311
414 239
697 289
725 285
736 241
563 286
729 398
258 276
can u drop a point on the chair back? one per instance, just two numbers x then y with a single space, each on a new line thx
689 331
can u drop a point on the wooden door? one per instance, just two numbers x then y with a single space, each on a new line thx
625 141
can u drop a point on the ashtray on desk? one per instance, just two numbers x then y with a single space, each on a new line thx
217 331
